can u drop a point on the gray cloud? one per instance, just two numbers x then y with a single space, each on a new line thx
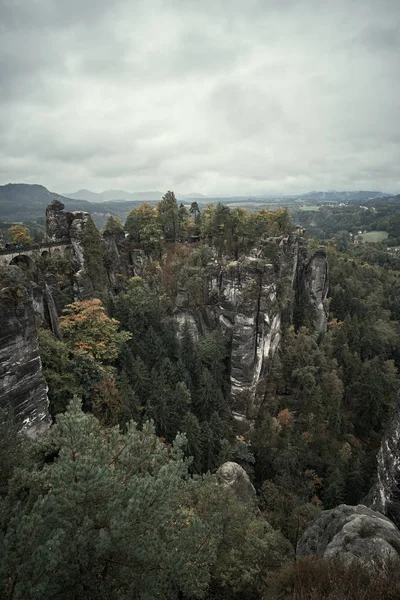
214 97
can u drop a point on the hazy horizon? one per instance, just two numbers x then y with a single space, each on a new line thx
263 97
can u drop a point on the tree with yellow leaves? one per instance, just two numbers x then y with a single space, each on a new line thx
18 234
87 329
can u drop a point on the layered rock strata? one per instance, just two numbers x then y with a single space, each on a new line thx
384 495
23 388
248 300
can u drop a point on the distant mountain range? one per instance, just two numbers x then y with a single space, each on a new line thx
25 202
112 195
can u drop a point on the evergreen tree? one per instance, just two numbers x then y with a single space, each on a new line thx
211 447
192 430
94 255
105 519
334 488
190 358
177 408
144 229
209 398
169 216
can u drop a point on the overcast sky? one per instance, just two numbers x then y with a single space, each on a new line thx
210 96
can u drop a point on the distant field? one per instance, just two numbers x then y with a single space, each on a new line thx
374 236
246 204
309 207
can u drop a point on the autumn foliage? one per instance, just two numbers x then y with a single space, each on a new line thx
18 234
86 328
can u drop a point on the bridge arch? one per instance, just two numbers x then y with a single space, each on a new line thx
24 262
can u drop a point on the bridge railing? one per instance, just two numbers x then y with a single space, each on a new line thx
12 249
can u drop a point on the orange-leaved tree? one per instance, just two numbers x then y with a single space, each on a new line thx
86 328
18 234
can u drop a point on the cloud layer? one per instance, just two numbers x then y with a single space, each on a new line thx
216 97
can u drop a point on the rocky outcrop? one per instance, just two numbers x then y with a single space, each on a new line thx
23 388
62 225
312 291
116 267
58 221
247 299
233 476
76 235
384 496
352 533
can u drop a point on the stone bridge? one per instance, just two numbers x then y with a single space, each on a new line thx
25 256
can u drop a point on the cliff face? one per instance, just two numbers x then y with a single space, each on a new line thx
311 292
58 221
62 225
248 300
22 385
384 496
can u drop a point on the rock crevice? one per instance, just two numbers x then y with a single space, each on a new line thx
23 388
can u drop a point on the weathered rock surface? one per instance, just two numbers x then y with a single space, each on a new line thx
352 533
232 475
384 495
314 284
71 226
76 235
58 221
248 298
23 388
115 265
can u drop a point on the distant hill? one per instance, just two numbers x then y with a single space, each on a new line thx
25 202
115 195
340 196
387 200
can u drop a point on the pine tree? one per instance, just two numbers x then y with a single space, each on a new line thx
209 398
334 491
106 519
189 358
211 447
177 408
192 430
94 255
169 216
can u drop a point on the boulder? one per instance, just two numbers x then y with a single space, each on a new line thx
352 533
231 475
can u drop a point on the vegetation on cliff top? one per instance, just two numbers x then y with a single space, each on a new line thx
81 492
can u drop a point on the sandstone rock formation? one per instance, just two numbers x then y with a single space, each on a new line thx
352 533
57 221
385 493
62 225
232 475
312 289
23 388
248 299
